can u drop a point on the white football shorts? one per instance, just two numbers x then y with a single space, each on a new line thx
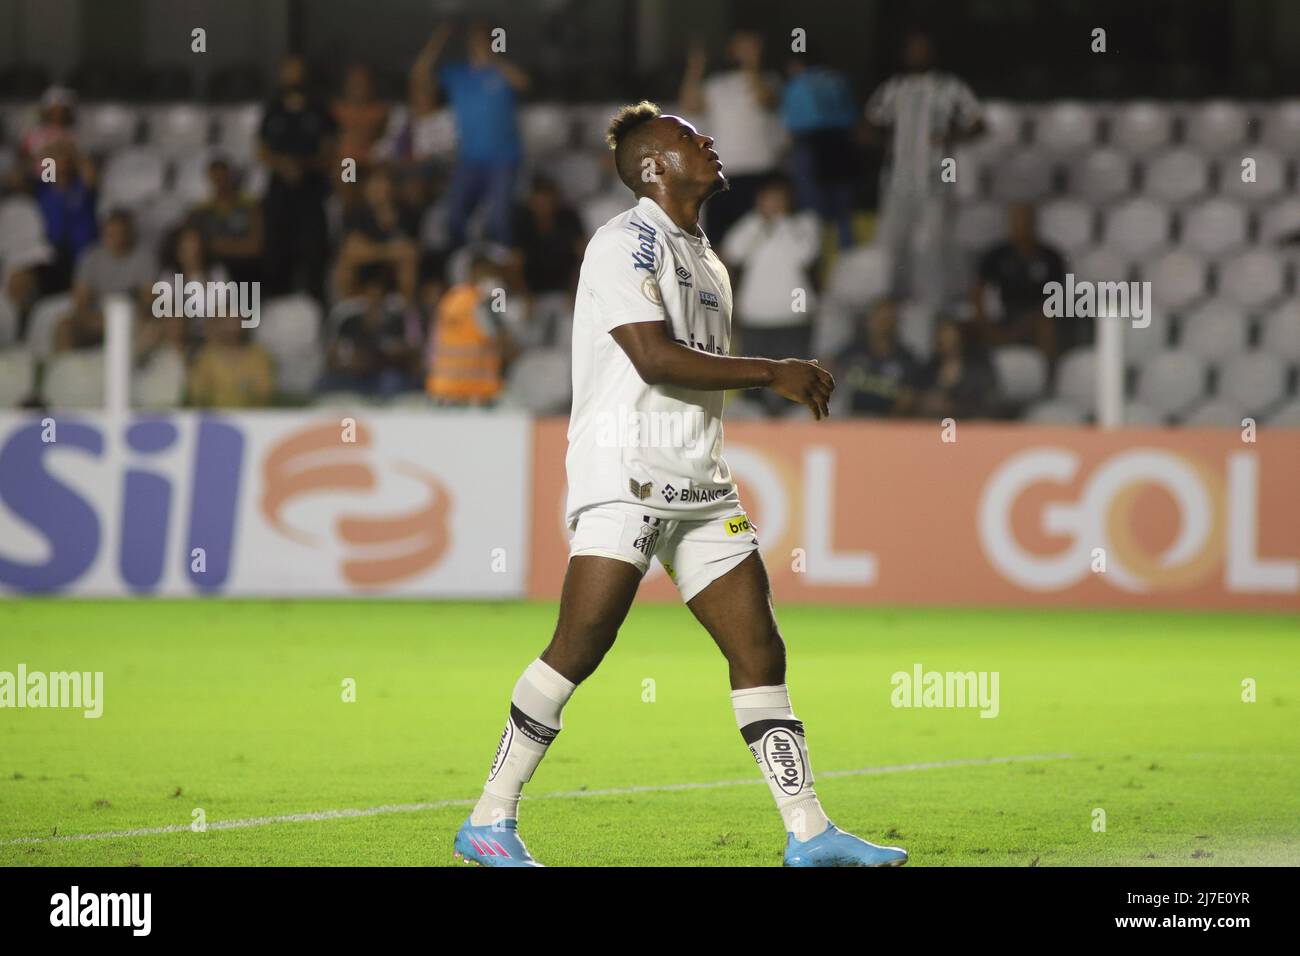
695 553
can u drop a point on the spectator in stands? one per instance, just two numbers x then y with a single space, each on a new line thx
383 230
57 124
24 252
483 93
376 350
927 113
119 265
297 135
232 224
185 253
230 371
959 380
1016 270
549 243
360 115
774 248
877 375
470 344
820 116
739 107
68 208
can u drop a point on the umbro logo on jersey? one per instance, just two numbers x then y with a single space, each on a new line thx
639 491
709 300
683 276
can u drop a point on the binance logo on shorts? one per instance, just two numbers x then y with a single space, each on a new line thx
739 524
639 491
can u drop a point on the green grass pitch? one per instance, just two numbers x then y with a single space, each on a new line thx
236 708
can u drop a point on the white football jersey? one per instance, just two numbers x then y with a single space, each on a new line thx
656 446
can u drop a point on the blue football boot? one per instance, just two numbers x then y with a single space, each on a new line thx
835 847
491 845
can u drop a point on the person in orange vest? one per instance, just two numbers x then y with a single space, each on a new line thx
469 342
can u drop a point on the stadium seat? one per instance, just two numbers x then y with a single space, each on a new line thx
1101 264
179 129
1138 415
131 176
1004 124
290 331
1254 278
1065 127
579 175
1282 127
1269 175
1215 413
1101 176
593 123
17 375
75 380
1021 371
980 225
1287 416
544 128
538 382
190 177
916 328
159 215
237 128
859 277
1177 278
1215 330
102 127
1137 227
160 383
1055 412
1022 176
1140 344
1255 380
1280 333
1066 223
1217 126
43 321
1076 377
1141 128
1171 380
1176 176
1215 227
1280 220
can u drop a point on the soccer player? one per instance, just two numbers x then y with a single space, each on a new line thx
646 479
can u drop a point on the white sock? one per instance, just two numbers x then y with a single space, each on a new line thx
776 740
534 720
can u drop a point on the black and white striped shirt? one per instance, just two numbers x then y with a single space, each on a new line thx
920 107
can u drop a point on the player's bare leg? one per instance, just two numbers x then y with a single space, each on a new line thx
597 594
736 610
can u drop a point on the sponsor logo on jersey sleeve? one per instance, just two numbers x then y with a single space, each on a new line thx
639 491
650 289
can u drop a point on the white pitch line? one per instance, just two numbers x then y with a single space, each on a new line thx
345 814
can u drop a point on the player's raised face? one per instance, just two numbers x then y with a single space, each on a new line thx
687 154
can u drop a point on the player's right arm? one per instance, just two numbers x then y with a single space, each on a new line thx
660 360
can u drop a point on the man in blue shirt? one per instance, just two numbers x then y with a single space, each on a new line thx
819 113
483 95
